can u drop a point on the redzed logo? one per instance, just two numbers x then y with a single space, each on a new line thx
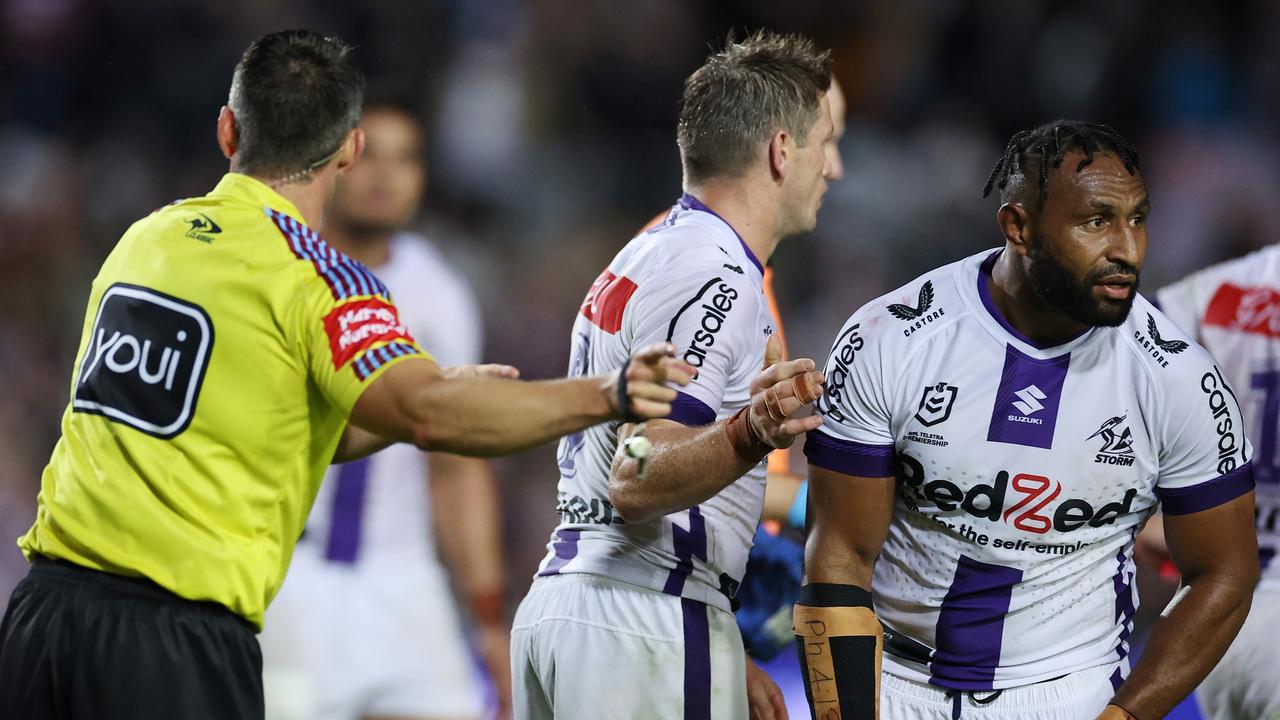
1253 310
1033 487
989 501
606 301
355 326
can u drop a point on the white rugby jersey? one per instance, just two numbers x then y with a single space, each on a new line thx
692 281
1233 309
378 509
1023 472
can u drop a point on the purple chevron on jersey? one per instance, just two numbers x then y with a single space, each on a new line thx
687 545
1026 407
566 549
970 627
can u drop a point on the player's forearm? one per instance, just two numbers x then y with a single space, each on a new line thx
684 467
489 416
1186 645
464 498
779 496
829 559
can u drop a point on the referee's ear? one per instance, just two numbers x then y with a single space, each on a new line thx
352 147
228 132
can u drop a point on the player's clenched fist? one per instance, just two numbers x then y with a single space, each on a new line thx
638 391
780 391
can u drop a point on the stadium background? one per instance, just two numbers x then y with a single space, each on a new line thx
551 138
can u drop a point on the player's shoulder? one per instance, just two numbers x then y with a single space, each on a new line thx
1168 355
1242 271
692 241
914 314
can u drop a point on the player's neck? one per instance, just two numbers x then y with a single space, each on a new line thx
372 249
1011 292
750 215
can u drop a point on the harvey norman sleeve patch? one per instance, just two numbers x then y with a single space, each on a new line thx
355 326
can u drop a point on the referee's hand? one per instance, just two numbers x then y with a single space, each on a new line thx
638 390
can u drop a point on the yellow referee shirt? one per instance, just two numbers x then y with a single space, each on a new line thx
224 346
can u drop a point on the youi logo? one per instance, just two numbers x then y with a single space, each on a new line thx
146 360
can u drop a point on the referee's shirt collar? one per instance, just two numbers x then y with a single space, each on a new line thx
241 187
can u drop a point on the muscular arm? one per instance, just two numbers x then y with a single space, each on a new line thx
1216 550
849 520
414 402
780 492
687 465
467 516
464 503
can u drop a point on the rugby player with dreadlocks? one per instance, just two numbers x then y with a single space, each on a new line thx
994 434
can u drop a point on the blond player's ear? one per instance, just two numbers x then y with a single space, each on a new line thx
228 132
352 148
778 154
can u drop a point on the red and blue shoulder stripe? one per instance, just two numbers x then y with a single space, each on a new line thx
346 277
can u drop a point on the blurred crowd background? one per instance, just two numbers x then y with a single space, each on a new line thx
551 139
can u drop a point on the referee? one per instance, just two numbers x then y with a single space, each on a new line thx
229 355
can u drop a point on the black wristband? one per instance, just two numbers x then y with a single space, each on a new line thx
624 401
834 595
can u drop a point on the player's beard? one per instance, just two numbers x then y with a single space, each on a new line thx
1054 284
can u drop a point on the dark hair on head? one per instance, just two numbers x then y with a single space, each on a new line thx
742 95
295 94
1045 146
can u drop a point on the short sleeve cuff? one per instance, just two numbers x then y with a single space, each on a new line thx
1206 495
352 380
849 457
689 410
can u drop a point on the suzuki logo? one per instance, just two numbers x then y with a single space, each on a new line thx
1029 400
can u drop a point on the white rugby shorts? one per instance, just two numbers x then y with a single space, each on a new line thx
343 641
585 647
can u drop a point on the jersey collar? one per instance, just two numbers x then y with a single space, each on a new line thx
689 202
241 187
979 292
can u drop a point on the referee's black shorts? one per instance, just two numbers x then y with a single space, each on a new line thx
78 643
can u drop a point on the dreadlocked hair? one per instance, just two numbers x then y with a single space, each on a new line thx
1046 145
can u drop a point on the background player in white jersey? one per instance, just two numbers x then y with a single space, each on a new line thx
996 432
365 624
1233 309
629 616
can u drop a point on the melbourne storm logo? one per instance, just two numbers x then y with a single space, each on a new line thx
1117 443
918 316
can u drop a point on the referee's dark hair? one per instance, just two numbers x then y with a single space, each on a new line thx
745 93
295 94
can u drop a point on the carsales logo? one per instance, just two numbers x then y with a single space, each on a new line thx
1022 500
355 326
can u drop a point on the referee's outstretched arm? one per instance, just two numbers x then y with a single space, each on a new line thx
417 402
